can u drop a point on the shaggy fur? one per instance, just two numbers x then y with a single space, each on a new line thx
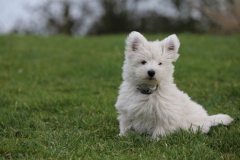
158 107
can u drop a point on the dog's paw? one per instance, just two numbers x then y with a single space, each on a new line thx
121 134
155 138
158 132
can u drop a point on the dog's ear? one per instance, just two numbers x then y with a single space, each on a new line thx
134 41
171 46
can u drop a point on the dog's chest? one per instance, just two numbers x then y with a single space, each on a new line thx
144 114
149 112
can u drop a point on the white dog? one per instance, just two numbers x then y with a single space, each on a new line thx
149 101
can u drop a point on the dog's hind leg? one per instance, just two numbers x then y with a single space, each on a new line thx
220 119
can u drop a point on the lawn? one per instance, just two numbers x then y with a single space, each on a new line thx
57 97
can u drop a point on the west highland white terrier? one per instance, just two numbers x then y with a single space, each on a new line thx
149 101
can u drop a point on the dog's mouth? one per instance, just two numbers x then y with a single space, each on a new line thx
146 89
151 78
149 81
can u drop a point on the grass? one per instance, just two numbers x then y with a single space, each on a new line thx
57 97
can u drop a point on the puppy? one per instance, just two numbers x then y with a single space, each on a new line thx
149 101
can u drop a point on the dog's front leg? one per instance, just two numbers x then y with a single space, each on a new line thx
125 124
158 131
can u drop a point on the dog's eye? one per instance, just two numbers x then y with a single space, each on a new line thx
143 62
160 63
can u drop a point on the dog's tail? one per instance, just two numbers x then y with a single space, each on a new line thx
220 119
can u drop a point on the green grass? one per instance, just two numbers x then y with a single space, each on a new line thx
57 97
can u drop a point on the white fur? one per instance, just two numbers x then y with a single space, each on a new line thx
167 109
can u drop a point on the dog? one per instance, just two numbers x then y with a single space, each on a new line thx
149 102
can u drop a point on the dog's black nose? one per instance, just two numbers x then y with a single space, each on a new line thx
151 73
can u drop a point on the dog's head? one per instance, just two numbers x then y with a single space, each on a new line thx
149 62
